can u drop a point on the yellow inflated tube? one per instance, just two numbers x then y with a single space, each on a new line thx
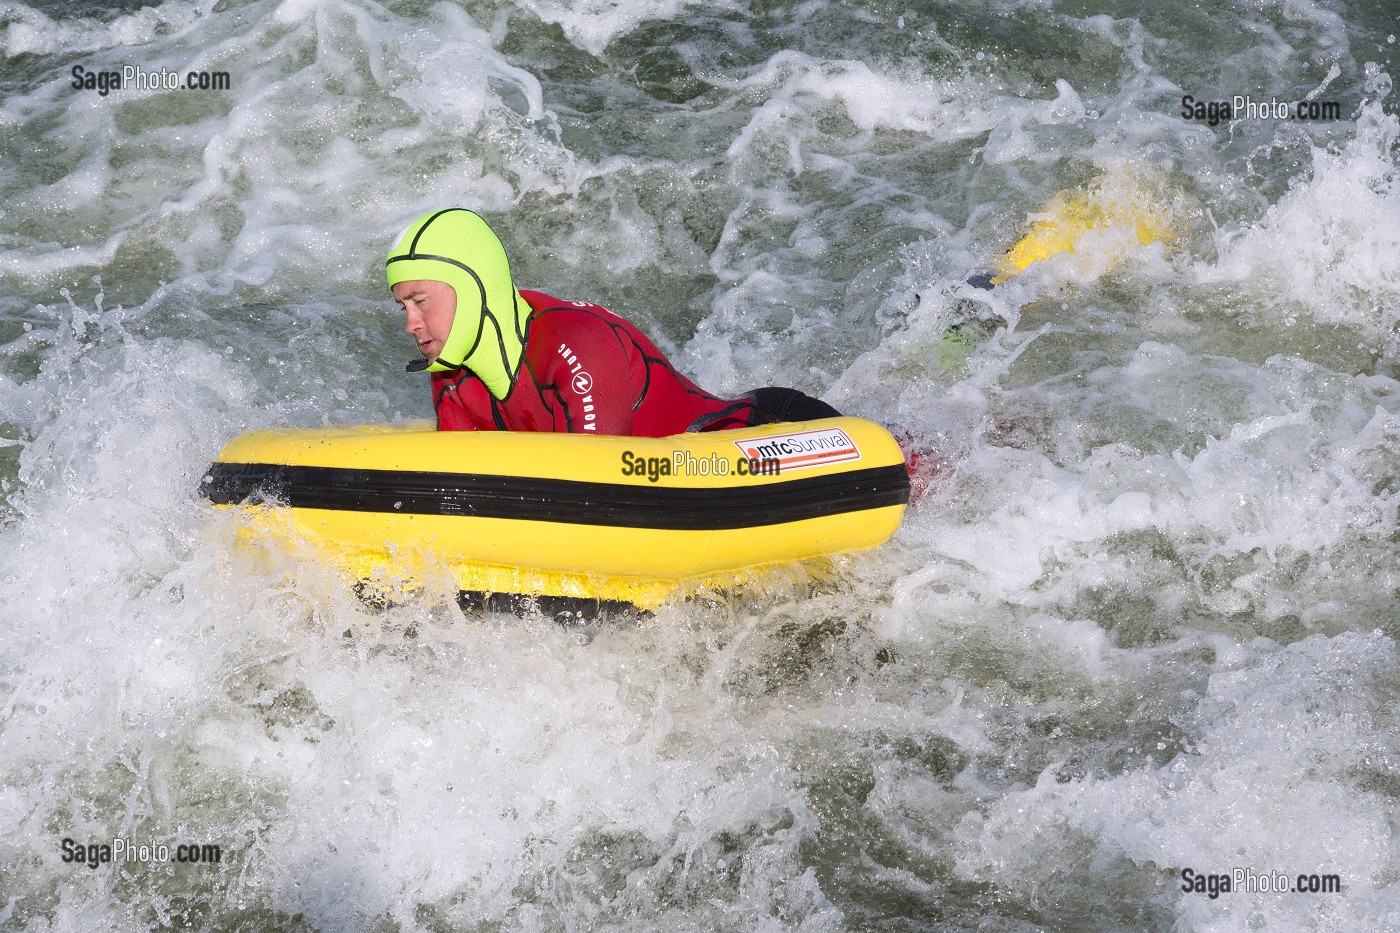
618 518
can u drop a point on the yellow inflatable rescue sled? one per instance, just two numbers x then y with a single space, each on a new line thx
633 519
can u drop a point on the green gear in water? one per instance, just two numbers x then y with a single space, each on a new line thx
456 247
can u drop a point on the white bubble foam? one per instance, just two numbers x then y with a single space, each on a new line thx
593 24
1255 792
31 31
1326 246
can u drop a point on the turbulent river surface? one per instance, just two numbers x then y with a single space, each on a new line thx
1131 664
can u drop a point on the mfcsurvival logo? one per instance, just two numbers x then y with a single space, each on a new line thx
802 449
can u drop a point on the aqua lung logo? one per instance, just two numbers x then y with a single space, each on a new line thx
1215 112
582 383
685 463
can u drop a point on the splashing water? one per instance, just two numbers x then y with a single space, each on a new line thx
1145 625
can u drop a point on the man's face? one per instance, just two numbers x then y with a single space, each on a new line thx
430 307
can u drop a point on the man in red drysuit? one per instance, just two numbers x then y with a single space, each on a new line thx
511 360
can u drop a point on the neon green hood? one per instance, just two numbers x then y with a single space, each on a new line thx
456 247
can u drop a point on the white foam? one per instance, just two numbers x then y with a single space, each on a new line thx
276 144
593 24
797 87
1326 246
1256 791
30 31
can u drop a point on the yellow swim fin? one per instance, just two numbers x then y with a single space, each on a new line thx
1116 203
